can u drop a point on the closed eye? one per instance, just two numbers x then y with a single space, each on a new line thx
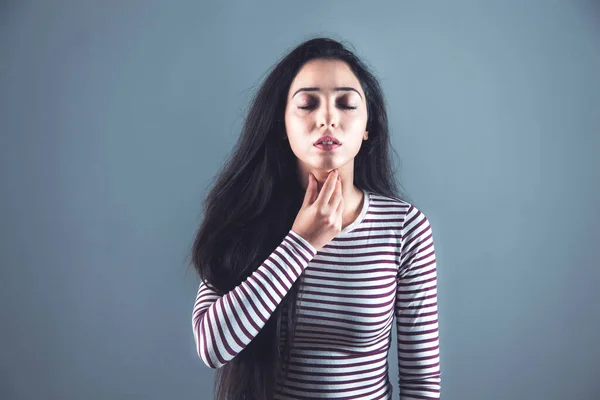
341 106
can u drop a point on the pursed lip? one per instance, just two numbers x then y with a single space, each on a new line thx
327 138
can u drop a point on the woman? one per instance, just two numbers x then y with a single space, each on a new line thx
307 252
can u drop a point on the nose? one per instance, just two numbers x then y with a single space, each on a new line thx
327 117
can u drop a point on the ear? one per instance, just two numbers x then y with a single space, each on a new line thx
366 135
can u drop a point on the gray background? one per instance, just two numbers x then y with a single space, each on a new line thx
115 116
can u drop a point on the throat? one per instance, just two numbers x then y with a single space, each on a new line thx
352 215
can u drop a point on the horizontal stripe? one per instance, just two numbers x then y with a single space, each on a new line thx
380 270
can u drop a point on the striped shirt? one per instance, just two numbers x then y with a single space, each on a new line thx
379 267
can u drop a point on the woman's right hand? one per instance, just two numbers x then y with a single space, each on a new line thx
320 217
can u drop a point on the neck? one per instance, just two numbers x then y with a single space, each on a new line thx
352 195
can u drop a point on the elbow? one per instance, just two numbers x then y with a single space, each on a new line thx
207 361
202 350
213 356
205 352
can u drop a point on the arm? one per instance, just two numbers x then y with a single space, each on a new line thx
416 311
224 325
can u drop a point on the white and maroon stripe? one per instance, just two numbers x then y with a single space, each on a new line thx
355 285
223 326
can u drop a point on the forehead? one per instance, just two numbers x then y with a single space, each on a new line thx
326 75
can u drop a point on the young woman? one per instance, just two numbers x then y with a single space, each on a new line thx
307 252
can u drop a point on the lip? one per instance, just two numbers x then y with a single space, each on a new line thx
327 147
327 138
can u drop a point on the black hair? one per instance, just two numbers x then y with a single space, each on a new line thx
256 198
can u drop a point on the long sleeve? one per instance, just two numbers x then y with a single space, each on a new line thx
224 325
417 312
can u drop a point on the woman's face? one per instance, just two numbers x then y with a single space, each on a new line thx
315 108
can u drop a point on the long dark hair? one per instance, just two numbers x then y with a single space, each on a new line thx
255 200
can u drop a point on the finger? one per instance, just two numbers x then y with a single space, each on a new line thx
309 191
328 188
340 207
337 194
313 189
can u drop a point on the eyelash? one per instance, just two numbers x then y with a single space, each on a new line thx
343 107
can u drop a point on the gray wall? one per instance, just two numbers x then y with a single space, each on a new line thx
115 116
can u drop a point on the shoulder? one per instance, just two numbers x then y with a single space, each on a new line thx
394 204
406 214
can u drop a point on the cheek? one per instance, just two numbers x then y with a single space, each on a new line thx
296 126
357 123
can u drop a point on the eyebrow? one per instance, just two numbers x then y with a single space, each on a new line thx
316 89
